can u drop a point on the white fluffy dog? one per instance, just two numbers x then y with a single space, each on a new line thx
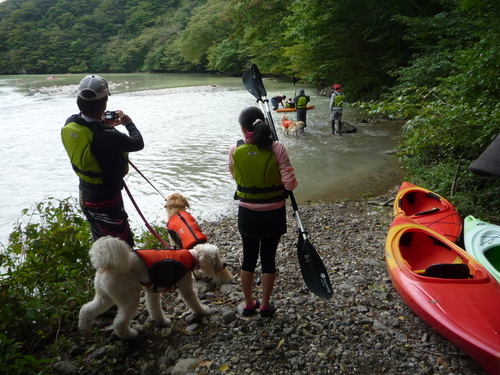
121 271
291 127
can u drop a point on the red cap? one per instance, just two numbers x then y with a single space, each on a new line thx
337 87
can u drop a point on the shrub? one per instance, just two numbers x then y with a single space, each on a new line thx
46 276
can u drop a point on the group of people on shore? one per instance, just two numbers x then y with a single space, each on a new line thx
260 166
300 103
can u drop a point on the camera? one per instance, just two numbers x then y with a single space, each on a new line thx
110 115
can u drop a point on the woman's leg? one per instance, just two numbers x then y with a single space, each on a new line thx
250 256
247 286
268 280
269 245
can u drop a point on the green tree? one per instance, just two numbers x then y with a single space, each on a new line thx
205 29
230 56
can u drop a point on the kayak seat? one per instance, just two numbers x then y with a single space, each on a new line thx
449 271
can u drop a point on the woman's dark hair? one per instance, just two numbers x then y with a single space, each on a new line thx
92 107
252 119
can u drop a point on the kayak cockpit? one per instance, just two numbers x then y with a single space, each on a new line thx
426 255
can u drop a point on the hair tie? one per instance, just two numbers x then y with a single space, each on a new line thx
256 121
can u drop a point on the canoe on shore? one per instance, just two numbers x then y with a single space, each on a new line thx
446 288
429 209
294 109
482 241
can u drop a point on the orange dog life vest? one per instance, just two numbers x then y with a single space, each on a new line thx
185 231
166 267
286 123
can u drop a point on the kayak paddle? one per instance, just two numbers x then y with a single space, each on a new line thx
312 267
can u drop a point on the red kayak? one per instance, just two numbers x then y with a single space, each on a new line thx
447 288
429 209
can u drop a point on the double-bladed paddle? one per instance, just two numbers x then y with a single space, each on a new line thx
312 267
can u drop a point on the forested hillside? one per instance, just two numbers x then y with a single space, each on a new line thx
358 42
432 62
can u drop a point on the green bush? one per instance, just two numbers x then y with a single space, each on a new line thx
46 277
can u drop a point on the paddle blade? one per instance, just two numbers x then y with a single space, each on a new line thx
252 81
313 270
249 84
257 78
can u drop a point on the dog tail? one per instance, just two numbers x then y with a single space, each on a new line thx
110 253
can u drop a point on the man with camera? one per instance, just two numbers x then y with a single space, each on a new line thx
99 156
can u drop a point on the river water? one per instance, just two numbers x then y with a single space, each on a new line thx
188 123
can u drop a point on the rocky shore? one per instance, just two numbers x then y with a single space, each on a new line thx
366 328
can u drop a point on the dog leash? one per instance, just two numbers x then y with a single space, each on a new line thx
143 218
138 171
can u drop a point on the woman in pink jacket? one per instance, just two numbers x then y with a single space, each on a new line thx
263 174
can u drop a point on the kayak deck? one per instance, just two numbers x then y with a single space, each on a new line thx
429 209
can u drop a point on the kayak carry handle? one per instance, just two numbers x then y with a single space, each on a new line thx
430 194
434 210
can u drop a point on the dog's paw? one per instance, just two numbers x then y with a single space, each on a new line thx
86 333
128 335
206 310
194 318
165 322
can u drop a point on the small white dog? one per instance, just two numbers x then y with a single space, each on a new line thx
121 272
290 126
183 230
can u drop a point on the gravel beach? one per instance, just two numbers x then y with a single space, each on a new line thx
365 328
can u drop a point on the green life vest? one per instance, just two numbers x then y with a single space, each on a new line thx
77 139
77 136
339 100
302 102
257 175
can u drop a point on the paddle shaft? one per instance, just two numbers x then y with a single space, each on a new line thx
263 102
313 270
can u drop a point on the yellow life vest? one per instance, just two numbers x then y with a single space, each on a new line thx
257 175
77 140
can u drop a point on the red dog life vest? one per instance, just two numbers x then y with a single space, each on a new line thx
185 231
166 267
286 123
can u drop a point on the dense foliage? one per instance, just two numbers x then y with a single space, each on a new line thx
450 95
317 40
45 277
